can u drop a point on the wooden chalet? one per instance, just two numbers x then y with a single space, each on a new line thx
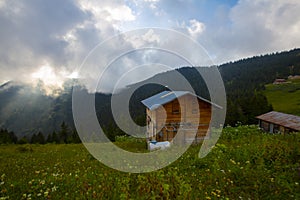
170 110
277 122
279 81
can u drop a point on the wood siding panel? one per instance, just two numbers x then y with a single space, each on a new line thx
166 122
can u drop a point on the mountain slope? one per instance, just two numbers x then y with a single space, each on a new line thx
26 110
285 97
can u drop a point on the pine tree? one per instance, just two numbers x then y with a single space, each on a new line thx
34 139
63 134
55 137
23 140
49 138
7 137
40 138
75 137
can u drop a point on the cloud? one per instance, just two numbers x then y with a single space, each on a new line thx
31 34
252 28
60 34
195 28
139 40
110 11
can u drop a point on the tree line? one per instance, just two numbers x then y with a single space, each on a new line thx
65 135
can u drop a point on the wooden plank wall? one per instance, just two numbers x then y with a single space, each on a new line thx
166 120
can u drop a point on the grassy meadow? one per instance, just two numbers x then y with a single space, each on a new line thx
285 97
245 164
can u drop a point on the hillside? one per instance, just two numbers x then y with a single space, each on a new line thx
26 110
284 97
244 82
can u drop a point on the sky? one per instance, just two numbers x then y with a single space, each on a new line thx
50 40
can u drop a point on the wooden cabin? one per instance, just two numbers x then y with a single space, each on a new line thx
277 122
170 110
279 81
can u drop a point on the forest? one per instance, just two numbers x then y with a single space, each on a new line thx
28 111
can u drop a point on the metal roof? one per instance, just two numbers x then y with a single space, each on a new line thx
167 96
286 120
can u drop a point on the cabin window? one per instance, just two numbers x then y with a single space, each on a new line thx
175 107
276 128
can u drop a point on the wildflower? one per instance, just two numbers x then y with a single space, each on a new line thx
296 183
2 183
247 162
54 188
46 194
39 194
208 198
55 174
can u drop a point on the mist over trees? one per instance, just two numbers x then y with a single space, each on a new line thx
26 112
66 135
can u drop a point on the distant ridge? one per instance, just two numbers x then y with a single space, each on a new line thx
27 112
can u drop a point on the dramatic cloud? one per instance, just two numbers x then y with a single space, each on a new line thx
56 34
40 38
32 33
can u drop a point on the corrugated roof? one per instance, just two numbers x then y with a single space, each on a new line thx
286 120
167 96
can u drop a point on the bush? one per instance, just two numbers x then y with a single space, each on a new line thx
24 148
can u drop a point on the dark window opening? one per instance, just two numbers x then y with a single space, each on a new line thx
175 107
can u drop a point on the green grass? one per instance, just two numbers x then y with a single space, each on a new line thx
285 97
244 164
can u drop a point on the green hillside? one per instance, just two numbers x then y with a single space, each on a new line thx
284 97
